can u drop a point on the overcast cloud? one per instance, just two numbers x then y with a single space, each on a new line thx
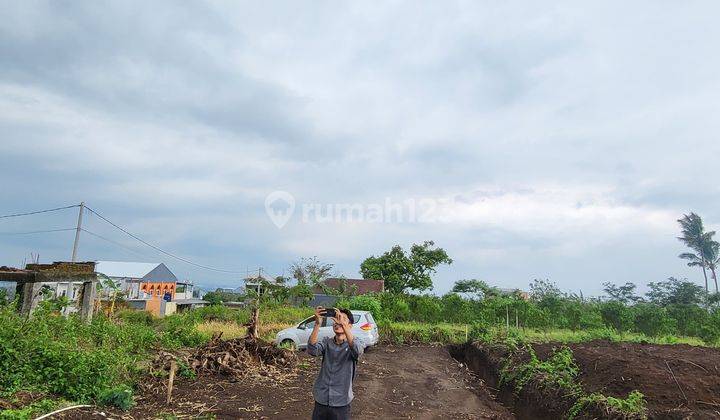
562 140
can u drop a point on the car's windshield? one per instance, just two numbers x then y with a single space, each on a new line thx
308 323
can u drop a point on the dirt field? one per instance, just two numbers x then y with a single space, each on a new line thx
678 381
420 382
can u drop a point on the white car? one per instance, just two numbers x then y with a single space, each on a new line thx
364 327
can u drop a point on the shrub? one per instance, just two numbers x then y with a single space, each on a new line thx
412 332
62 356
616 315
559 370
366 303
425 308
652 320
394 307
633 406
136 317
120 397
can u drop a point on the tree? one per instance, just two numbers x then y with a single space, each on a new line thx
474 287
712 260
624 293
310 271
544 289
402 271
674 292
695 238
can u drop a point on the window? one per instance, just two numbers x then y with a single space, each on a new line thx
308 323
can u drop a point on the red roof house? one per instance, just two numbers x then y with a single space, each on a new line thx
361 286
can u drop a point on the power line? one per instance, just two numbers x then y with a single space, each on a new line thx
36 231
112 242
38 212
169 254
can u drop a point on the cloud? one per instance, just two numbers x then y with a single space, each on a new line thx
559 141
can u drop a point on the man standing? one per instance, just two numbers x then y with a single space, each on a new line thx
333 386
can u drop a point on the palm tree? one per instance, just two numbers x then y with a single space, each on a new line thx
712 257
695 238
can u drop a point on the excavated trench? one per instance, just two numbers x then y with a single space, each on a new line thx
677 381
486 363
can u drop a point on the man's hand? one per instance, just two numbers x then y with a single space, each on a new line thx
316 328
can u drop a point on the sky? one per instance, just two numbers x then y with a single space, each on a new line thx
559 140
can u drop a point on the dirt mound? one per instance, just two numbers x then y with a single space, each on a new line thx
678 381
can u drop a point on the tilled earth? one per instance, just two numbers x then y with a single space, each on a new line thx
393 382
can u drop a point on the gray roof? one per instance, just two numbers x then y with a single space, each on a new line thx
133 270
150 272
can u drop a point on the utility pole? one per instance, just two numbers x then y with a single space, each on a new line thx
77 232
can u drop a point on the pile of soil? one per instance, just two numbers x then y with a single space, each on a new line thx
678 381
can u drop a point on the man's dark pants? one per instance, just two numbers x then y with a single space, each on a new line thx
325 412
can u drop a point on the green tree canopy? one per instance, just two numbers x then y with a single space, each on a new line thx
310 271
474 287
674 292
624 293
406 271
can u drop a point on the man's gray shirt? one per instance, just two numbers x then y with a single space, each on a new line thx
333 385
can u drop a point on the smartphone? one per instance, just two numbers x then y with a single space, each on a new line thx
329 313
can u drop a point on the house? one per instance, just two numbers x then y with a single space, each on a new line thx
259 282
149 286
353 287
184 290
138 280
504 291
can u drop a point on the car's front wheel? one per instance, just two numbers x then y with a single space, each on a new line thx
288 344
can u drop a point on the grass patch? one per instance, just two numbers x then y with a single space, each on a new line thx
230 330
33 409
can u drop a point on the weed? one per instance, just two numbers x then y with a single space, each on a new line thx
120 397
31 410
559 370
633 406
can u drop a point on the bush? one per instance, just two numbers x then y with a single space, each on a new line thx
366 303
136 317
425 308
120 397
394 307
634 406
558 371
652 320
63 356
412 332
616 315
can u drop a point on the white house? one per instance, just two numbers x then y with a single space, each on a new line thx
130 275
